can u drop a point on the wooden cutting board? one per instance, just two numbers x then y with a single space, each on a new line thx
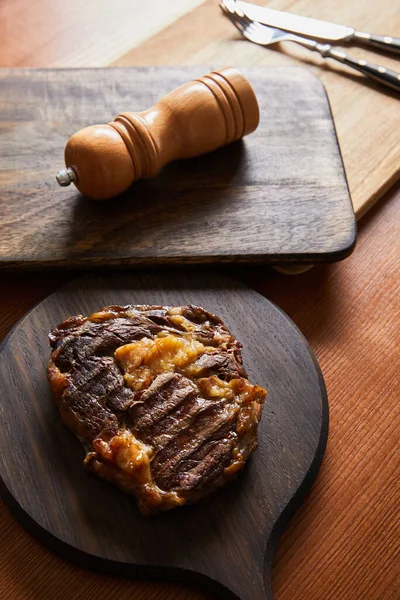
225 544
278 197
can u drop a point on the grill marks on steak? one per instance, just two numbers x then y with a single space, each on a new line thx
166 399
168 419
188 453
91 339
96 387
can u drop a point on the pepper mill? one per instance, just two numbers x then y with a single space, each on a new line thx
198 117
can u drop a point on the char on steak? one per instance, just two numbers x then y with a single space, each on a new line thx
159 398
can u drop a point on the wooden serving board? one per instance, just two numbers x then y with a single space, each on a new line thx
225 544
280 196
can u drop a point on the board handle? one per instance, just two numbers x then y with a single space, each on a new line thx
198 117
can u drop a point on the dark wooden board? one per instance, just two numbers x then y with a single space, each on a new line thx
280 196
225 544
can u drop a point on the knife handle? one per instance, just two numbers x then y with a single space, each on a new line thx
382 42
378 73
203 115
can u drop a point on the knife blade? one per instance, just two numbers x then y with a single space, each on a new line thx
315 28
296 23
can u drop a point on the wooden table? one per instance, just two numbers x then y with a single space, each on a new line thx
344 541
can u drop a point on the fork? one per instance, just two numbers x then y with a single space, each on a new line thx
264 36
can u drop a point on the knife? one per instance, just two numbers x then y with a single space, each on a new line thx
317 29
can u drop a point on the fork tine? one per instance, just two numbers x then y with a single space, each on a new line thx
230 8
234 8
238 17
251 30
233 18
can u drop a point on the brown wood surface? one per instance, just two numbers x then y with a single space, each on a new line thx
229 539
275 197
344 542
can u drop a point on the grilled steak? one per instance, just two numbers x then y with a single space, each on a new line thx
159 398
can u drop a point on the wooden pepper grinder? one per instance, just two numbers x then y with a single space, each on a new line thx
198 117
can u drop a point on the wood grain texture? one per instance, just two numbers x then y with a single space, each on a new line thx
229 538
363 112
343 542
275 197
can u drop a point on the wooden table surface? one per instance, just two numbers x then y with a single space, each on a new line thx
343 544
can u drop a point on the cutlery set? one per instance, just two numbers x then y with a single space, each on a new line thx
264 26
